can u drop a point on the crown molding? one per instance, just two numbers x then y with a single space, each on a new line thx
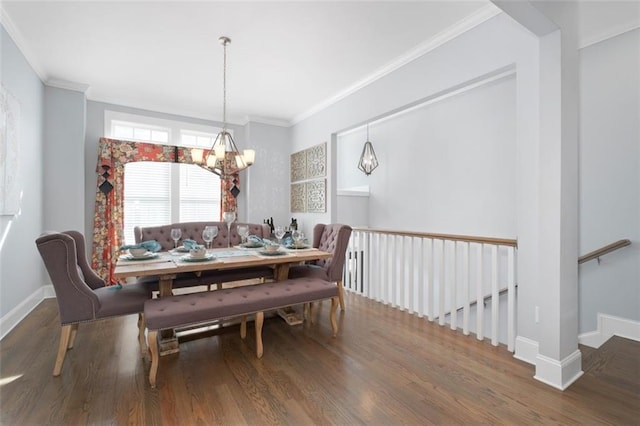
68 85
162 108
483 14
23 46
266 120
606 35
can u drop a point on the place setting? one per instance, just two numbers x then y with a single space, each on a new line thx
145 251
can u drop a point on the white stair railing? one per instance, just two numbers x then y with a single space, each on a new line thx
465 281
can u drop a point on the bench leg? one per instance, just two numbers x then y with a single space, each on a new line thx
65 336
341 294
153 349
259 321
141 341
243 327
332 315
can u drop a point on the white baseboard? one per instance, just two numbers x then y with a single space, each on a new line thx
559 374
609 326
17 314
526 350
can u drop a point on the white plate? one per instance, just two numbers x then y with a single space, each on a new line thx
147 255
189 258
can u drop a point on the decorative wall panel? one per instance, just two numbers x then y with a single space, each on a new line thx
298 197
316 196
10 184
317 161
298 166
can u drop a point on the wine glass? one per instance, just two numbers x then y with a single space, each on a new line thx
243 231
279 233
209 233
176 233
229 217
297 236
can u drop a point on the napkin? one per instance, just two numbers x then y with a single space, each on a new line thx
151 245
190 244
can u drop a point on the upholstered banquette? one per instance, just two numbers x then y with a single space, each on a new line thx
193 231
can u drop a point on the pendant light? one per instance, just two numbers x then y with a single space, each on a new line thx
368 160
223 158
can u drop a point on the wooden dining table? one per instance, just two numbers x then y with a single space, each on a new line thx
166 266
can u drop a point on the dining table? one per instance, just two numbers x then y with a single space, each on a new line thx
166 266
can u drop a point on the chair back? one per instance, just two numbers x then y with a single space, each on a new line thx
66 262
333 238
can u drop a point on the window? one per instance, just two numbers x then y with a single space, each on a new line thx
161 193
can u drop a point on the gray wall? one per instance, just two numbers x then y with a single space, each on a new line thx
21 273
64 159
610 177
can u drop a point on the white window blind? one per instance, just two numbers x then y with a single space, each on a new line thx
147 196
199 194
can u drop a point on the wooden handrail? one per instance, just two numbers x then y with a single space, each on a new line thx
467 238
604 250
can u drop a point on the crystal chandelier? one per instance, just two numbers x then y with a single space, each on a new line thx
368 161
223 158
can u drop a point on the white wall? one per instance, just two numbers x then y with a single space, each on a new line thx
267 181
610 177
21 270
448 165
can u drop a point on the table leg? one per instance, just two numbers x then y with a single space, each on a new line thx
168 339
289 314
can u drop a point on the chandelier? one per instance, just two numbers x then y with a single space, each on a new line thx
223 158
368 161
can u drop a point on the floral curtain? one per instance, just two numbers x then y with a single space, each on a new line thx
108 221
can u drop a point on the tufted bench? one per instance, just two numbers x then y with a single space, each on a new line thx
193 231
198 308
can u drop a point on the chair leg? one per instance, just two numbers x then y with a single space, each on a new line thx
65 337
259 322
243 327
141 326
341 294
332 316
72 339
153 349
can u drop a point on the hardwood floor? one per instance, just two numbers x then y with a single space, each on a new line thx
385 367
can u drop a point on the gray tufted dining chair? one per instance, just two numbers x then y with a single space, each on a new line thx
333 238
82 295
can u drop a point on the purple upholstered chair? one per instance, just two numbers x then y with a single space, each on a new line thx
334 239
82 295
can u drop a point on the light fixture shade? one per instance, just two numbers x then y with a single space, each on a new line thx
368 160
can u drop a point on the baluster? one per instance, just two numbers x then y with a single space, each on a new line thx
495 294
421 304
441 284
479 293
511 299
453 290
465 288
430 283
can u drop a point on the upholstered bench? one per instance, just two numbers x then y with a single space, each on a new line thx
199 308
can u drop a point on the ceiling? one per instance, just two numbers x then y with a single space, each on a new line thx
286 59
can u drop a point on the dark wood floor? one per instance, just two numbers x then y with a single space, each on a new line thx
385 367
